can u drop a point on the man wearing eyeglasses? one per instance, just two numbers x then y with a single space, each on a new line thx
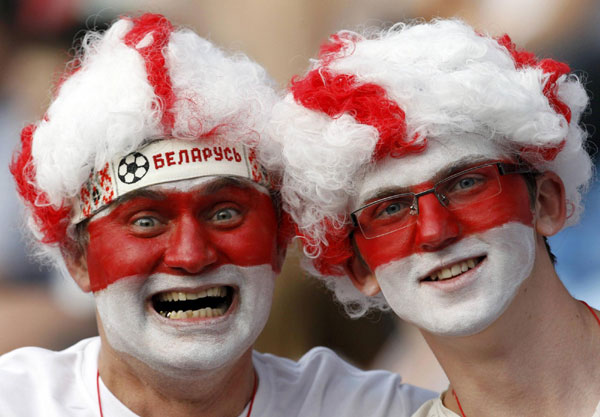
425 166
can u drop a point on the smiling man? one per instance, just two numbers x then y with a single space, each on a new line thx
425 166
143 182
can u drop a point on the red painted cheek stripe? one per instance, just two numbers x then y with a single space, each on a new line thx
437 226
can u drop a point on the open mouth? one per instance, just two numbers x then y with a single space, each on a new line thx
454 270
209 302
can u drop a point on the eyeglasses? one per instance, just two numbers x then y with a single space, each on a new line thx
461 189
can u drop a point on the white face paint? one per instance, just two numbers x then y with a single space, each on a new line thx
477 298
179 347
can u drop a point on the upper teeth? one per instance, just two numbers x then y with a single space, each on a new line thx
453 270
182 296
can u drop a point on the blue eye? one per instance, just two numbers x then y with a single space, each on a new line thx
466 183
145 222
226 215
392 209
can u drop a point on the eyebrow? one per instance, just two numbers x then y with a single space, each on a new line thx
224 182
449 169
142 193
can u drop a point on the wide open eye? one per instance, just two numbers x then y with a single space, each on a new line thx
146 222
226 216
147 226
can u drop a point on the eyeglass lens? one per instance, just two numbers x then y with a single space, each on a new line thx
399 211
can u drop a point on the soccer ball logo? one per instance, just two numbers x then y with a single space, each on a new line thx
133 167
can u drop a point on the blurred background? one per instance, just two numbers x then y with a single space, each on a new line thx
37 307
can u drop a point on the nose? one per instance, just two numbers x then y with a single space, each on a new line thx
189 250
436 225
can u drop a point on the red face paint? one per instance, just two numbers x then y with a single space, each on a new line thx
438 227
183 233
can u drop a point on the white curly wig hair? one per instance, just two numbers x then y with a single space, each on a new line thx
139 80
384 93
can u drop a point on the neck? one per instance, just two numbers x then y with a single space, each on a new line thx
223 392
536 359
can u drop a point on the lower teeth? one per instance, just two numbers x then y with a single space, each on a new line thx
202 313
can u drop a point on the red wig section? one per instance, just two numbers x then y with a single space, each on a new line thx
333 255
160 29
338 94
554 70
51 221
330 50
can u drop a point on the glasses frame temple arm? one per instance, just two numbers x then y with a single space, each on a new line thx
518 168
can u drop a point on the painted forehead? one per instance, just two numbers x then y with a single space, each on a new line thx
438 156
209 184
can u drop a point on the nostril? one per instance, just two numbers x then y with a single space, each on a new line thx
190 259
434 245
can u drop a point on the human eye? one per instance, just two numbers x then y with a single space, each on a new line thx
468 182
226 216
391 208
146 225
388 210
145 222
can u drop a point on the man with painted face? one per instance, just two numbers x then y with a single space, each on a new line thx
425 166
144 182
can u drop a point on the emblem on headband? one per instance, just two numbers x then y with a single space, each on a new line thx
133 167
162 161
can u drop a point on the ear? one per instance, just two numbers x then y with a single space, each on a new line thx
550 204
77 267
361 276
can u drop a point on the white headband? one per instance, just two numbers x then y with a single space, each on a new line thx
165 160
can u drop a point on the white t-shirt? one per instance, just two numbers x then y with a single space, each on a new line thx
435 408
38 382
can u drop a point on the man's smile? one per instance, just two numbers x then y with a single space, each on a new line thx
453 270
208 302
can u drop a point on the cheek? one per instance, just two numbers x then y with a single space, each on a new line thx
113 255
255 242
511 205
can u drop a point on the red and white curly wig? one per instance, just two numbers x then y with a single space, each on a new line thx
139 80
383 94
